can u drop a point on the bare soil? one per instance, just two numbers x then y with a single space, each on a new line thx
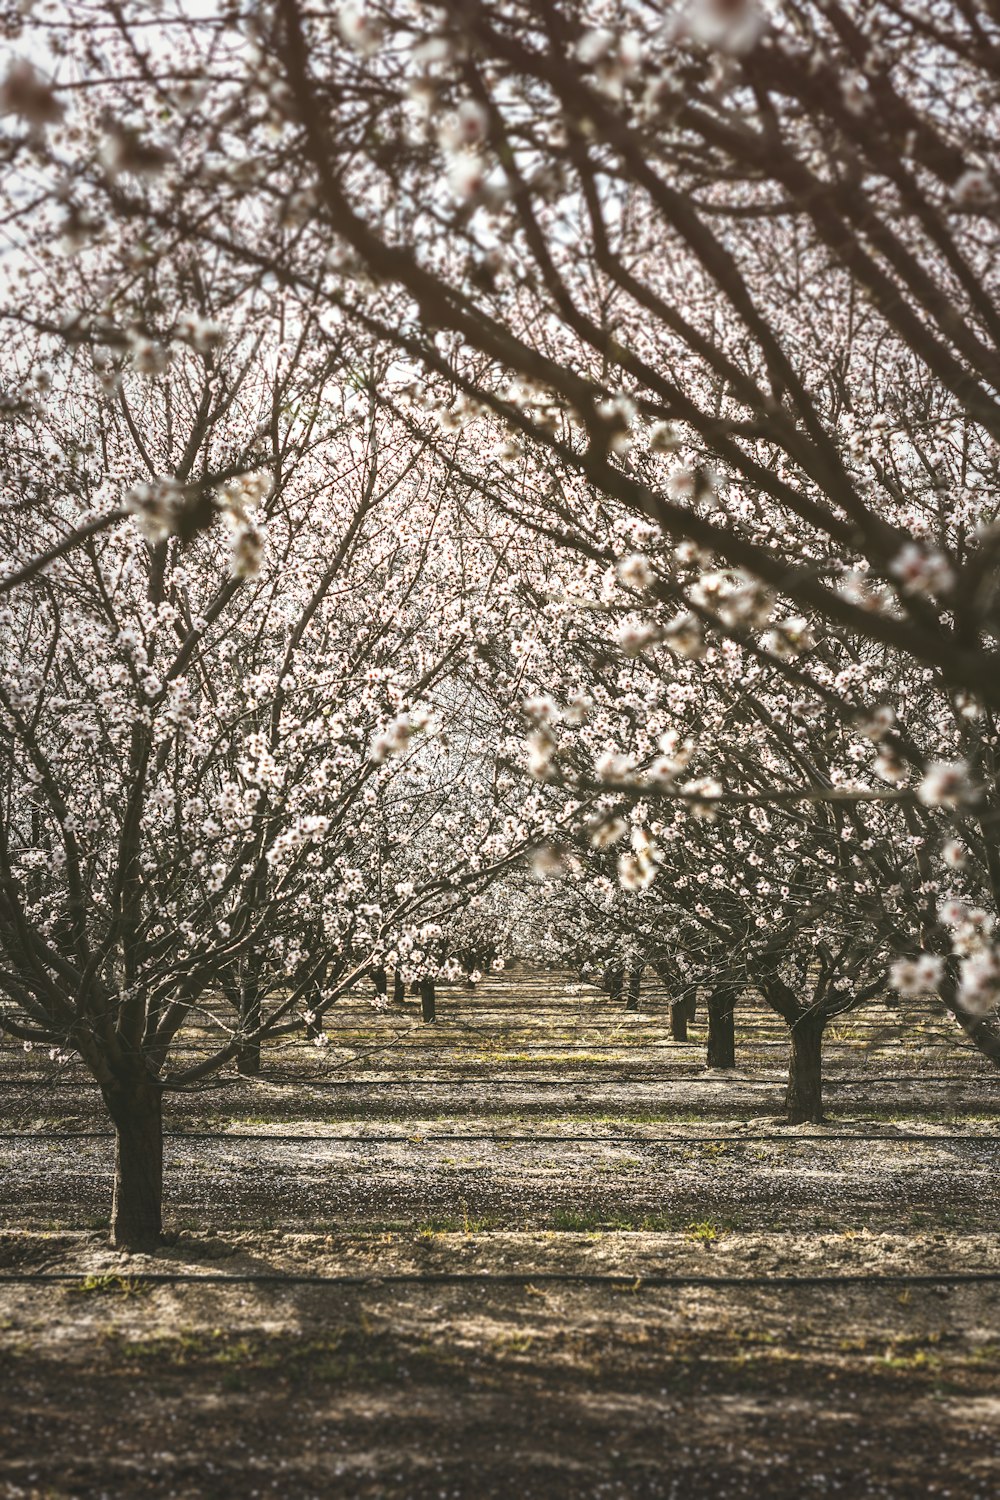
534 1134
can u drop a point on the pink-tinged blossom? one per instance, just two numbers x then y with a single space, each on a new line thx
549 863
682 485
743 603
633 637
359 28
614 57
955 855
157 506
203 334
635 571
541 709
246 552
877 724
685 636
920 571
467 127
702 794
789 638
392 740
613 766
608 832
637 870
890 767
541 746
149 357
917 976
979 982
946 784
855 93
975 189
467 176
731 26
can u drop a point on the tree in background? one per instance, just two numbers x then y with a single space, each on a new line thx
221 752
705 302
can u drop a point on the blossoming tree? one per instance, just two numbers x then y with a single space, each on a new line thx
222 753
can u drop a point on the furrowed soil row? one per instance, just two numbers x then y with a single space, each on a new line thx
540 1231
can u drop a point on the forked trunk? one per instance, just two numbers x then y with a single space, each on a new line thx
721 1030
804 1099
137 1203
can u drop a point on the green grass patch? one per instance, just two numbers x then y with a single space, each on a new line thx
106 1283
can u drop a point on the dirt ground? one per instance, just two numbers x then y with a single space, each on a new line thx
561 1258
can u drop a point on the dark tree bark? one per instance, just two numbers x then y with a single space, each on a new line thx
313 1028
983 1031
136 1107
614 978
679 1020
248 1057
398 988
721 1029
428 1005
381 981
634 987
804 1099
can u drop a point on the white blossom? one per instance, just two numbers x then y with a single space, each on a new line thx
917 976
359 27
945 783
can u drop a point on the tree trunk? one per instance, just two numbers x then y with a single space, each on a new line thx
248 1057
398 988
721 1030
381 981
804 1099
982 1031
634 985
679 1020
613 981
427 1000
137 1205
